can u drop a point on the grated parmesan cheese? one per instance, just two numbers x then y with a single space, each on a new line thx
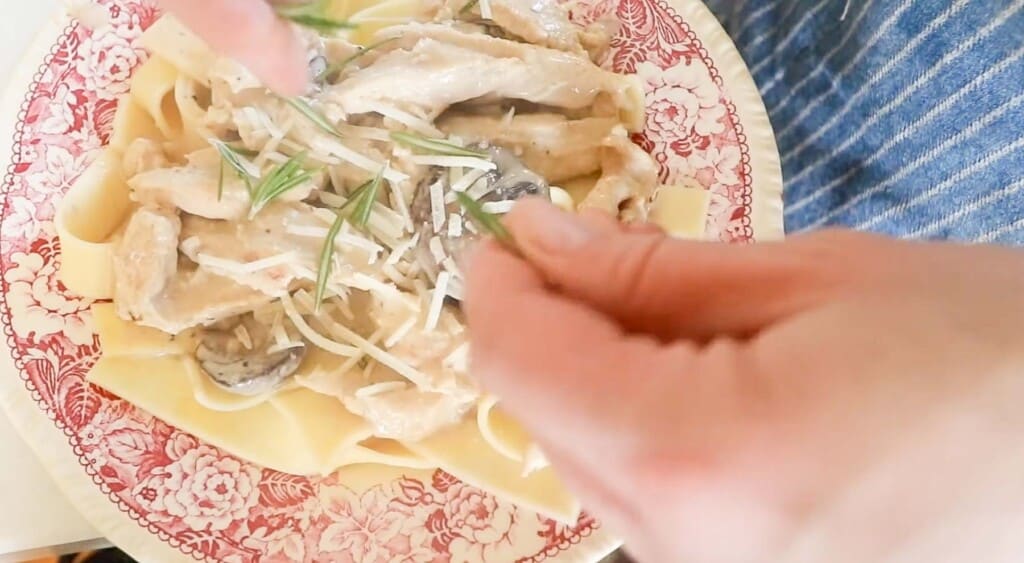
401 332
362 281
437 301
333 147
480 189
452 161
372 350
455 288
242 268
360 132
398 200
378 388
498 207
417 124
393 274
468 180
454 225
313 336
437 207
242 334
399 252
451 266
458 359
437 250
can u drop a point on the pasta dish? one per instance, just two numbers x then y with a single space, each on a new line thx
281 276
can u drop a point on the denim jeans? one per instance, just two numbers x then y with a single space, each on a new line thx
904 117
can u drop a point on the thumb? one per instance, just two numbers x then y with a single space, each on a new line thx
250 32
654 284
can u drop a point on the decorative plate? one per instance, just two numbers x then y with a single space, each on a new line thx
161 494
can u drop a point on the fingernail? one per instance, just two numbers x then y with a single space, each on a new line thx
554 230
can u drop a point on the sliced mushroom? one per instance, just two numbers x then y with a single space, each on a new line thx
238 357
510 181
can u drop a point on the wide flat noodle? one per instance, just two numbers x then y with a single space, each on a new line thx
122 338
173 42
187 93
297 431
88 215
153 89
463 452
131 121
681 211
503 434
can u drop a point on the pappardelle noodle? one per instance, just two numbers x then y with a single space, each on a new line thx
284 273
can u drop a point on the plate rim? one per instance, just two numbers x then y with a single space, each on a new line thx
50 446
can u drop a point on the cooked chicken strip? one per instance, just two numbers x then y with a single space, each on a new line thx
265 236
466 67
551 145
409 413
629 176
541 22
195 188
150 290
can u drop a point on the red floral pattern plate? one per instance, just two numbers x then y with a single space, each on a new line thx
163 495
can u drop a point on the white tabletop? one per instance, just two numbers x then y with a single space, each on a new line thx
36 520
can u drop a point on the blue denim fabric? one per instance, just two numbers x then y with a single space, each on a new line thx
903 117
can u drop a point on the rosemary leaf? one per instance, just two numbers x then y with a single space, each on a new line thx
314 115
247 153
469 6
220 181
281 179
435 146
340 65
357 212
233 158
326 261
314 16
361 214
488 222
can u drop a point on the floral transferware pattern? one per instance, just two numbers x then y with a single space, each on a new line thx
216 507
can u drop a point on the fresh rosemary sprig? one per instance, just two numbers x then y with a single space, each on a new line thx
312 15
281 179
434 146
357 212
233 158
314 115
488 222
340 65
247 153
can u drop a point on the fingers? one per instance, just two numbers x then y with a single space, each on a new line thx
250 32
653 284
557 363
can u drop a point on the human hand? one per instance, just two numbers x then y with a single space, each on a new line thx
836 397
250 32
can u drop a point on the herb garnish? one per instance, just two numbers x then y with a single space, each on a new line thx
340 65
232 157
314 115
312 15
357 212
281 179
488 222
435 146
